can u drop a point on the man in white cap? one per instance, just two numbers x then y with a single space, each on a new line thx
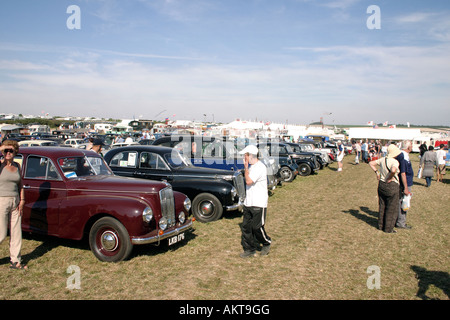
255 205
340 155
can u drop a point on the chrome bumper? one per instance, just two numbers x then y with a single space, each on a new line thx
157 238
237 206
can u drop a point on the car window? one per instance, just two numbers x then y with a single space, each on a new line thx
149 160
125 159
213 149
19 159
41 168
74 167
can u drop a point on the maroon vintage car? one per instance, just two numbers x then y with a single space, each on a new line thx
71 193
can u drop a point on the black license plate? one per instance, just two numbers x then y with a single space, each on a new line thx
176 239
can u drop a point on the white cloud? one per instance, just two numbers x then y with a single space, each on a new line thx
179 10
348 81
414 17
20 65
432 25
339 4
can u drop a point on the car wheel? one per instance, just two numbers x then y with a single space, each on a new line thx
109 240
286 174
206 208
304 169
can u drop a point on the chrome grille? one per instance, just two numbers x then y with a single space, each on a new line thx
167 205
238 180
316 162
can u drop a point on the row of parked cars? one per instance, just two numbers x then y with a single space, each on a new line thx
141 194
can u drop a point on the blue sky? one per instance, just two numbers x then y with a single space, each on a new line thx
272 60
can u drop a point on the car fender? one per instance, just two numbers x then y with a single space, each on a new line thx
219 188
79 212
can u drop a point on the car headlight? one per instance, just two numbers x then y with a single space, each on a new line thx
147 214
181 217
163 223
233 193
227 177
187 204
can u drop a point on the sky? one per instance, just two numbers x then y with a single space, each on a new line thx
284 61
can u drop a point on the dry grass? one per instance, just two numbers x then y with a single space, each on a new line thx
324 238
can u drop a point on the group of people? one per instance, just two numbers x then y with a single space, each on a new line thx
366 150
429 159
395 178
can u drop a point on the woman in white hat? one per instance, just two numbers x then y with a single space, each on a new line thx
388 188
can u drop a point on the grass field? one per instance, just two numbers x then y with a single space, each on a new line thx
325 246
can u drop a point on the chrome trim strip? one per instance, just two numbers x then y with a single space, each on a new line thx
165 235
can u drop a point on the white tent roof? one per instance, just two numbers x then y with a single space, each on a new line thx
383 133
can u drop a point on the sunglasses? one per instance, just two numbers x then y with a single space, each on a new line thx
8 150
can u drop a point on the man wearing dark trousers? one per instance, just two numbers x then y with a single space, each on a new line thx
255 205
406 181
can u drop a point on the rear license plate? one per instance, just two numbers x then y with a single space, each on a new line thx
176 239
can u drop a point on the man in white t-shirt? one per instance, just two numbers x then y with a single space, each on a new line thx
441 157
255 204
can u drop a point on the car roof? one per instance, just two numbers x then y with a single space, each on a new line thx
37 141
142 148
56 151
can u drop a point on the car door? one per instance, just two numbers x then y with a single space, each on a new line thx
153 166
45 190
124 163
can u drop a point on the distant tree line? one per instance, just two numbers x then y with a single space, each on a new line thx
52 123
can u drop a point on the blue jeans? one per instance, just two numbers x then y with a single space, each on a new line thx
428 180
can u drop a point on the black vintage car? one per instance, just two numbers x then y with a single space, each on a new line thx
212 191
302 149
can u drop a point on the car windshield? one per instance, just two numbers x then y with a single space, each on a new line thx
74 167
177 160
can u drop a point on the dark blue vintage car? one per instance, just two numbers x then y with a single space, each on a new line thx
222 153
210 152
212 191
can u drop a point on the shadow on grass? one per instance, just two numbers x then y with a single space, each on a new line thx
156 249
424 184
426 278
230 215
47 244
365 214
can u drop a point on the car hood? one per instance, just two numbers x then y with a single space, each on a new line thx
117 184
299 154
202 172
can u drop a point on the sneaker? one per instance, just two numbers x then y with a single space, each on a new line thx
404 227
247 254
265 250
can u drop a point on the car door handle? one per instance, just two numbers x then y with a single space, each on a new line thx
26 187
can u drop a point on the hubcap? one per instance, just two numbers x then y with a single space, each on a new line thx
109 241
285 174
206 208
